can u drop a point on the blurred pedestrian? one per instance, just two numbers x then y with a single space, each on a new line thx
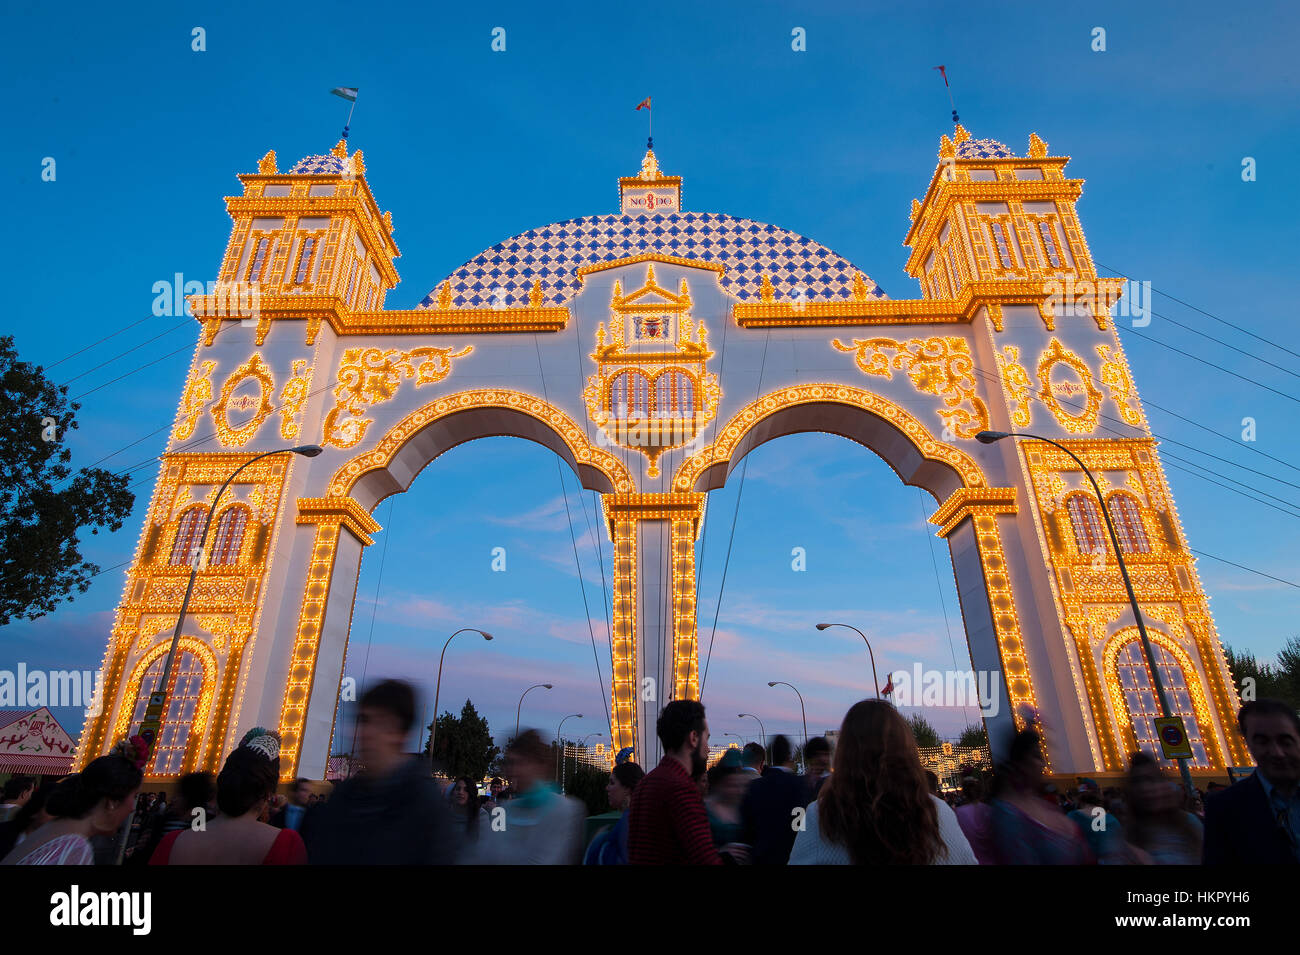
876 808
975 817
1166 833
237 836
728 783
391 812
466 811
538 826
17 790
29 817
817 767
1029 829
196 791
1257 819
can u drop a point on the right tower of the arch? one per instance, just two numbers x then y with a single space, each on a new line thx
1000 235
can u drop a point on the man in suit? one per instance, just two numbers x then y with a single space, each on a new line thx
1257 820
767 812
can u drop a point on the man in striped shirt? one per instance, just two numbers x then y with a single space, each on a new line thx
667 822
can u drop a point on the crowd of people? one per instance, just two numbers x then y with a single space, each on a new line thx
867 802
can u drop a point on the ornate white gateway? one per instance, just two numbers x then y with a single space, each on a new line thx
652 350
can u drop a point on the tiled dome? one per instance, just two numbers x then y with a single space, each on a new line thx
983 149
747 249
318 166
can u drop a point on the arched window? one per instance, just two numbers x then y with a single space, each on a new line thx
182 705
188 530
230 535
684 394
1089 531
629 395
257 262
1126 515
1140 700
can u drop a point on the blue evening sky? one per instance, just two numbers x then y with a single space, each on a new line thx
468 146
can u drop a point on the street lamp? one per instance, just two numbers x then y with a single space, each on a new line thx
762 733
989 437
433 729
875 680
559 746
153 713
801 709
519 708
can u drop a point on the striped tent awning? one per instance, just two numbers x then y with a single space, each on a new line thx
33 742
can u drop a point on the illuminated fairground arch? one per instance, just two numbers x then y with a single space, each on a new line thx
651 349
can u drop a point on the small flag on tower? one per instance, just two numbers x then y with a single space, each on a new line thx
349 93
644 104
888 688
942 72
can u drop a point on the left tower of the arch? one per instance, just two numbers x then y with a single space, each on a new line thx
309 251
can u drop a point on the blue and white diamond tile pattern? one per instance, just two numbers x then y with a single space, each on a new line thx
319 166
983 149
745 248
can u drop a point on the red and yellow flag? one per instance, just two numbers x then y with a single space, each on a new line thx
644 104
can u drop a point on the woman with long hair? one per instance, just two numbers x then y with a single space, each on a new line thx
465 808
609 846
1165 832
876 807
237 836
93 802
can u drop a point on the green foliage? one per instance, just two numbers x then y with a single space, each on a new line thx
464 746
1278 680
973 735
925 734
588 784
44 504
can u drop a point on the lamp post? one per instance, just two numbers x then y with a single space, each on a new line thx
989 437
559 746
153 713
433 728
801 709
875 680
520 707
762 733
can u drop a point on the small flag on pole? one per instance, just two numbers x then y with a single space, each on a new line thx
942 72
348 93
888 688
644 104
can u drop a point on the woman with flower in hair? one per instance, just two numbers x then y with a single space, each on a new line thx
93 802
238 836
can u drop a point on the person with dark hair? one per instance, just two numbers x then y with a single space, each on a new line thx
1027 829
876 808
466 810
817 767
30 817
768 811
1102 829
196 791
752 758
1159 826
93 802
667 821
18 789
390 813
609 846
238 836
1257 819
290 815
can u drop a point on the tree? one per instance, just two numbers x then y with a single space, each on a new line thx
1288 665
588 784
973 736
925 734
43 503
463 746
